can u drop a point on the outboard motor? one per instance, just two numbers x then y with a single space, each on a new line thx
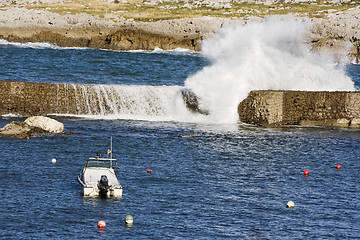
103 185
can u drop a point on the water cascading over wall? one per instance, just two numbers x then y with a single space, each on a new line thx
264 107
27 99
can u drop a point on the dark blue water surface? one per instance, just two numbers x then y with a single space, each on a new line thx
44 64
229 182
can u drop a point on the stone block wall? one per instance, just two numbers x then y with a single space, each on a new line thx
265 108
28 99
262 108
304 108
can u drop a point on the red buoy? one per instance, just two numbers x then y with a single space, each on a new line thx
338 166
101 224
306 172
148 171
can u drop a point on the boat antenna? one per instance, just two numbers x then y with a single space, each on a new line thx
111 147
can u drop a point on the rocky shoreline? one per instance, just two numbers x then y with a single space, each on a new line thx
336 32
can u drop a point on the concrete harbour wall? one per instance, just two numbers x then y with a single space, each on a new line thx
303 108
264 108
28 99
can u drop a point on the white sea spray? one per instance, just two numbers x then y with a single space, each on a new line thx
269 55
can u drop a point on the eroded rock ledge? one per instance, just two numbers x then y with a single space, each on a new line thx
120 39
338 32
302 108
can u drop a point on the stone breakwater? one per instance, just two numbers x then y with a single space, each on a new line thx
29 99
265 108
302 108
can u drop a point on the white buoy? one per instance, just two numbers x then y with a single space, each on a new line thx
53 160
290 204
129 219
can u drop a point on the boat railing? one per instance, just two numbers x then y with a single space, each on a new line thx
102 159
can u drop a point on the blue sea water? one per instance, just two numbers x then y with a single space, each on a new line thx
231 181
97 66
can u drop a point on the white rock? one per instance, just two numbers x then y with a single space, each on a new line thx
343 121
45 123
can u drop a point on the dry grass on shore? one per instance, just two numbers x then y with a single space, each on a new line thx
140 10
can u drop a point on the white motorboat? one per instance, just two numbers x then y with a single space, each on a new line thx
99 177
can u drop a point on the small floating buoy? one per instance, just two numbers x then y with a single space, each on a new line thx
53 160
129 219
306 172
290 204
338 166
101 224
149 170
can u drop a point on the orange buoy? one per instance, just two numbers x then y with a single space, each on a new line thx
148 171
101 224
306 172
338 166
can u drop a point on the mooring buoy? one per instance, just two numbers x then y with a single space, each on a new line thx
290 204
129 219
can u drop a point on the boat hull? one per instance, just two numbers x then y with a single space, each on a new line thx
91 191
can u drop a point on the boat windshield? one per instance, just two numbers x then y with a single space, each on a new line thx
100 162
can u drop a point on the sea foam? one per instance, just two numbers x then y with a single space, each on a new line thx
36 45
273 54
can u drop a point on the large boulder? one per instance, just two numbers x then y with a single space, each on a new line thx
46 124
32 126
19 130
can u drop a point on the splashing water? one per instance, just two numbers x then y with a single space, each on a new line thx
151 103
271 55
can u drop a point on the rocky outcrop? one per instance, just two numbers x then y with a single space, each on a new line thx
192 102
337 31
19 130
301 108
31 126
83 30
47 124
119 39
132 39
